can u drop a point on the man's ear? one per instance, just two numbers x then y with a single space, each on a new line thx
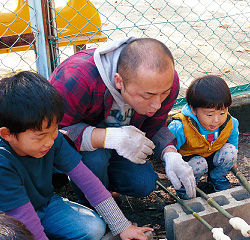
118 81
193 110
5 134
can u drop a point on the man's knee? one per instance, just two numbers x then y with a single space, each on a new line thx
144 186
98 162
96 159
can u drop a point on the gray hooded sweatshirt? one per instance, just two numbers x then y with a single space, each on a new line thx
106 59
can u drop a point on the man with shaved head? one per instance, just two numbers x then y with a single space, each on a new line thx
117 99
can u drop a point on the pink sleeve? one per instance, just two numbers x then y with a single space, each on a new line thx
27 215
90 185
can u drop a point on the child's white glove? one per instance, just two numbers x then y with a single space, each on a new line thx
179 172
129 142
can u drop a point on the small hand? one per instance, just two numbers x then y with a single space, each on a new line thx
235 165
133 232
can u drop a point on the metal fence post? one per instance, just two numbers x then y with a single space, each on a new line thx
36 20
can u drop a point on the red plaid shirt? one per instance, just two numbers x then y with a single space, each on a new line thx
87 100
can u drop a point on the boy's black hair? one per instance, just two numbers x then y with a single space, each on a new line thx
26 100
11 229
209 91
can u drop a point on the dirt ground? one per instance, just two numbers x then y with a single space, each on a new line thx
149 211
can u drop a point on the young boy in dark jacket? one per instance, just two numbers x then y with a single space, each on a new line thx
30 146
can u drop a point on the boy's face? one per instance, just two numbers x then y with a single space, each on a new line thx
35 143
146 93
210 118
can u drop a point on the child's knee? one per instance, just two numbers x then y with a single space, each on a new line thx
199 165
92 228
226 155
229 147
96 229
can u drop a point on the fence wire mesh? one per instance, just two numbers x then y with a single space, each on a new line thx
205 36
17 51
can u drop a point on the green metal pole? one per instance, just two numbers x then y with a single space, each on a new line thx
213 203
242 179
181 202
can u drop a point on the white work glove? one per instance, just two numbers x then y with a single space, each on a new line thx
179 172
129 142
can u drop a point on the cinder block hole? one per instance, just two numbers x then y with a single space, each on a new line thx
240 195
196 206
171 214
221 200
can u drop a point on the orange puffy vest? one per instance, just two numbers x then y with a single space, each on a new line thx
195 143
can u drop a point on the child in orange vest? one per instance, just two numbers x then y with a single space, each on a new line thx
207 135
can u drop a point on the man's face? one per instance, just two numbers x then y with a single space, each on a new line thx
146 93
35 143
210 118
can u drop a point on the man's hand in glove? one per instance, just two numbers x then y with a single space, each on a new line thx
179 172
129 142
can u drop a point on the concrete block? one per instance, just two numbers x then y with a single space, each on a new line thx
183 226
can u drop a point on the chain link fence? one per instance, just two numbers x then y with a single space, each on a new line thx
15 31
205 36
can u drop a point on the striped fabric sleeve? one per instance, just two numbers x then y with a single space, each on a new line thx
113 216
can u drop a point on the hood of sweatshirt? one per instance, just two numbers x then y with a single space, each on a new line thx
106 58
